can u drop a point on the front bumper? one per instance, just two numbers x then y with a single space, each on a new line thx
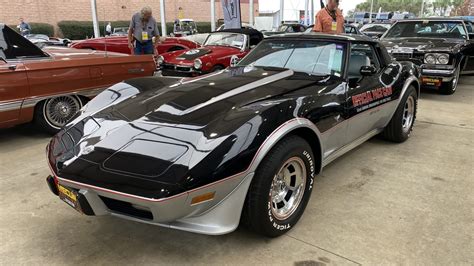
435 76
179 70
219 215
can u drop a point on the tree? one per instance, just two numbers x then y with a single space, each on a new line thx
413 6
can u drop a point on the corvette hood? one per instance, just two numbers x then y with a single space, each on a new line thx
158 131
422 44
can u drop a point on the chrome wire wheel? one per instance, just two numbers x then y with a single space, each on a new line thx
288 188
59 110
408 114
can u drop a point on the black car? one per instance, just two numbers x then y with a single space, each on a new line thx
375 30
348 29
442 48
42 40
245 143
286 28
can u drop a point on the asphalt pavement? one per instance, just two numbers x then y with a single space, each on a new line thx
410 203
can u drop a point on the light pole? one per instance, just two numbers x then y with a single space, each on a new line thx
282 8
251 12
95 20
371 10
163 18
422 8
213 15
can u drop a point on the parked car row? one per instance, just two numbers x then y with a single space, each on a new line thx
442 50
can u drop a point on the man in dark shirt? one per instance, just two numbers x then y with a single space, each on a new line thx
24 27
143 32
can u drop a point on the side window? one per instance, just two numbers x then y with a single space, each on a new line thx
359 49
19 47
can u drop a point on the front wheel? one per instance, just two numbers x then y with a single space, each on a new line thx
401 125
52 114
281 188
448 88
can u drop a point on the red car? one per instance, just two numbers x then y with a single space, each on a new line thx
219 49
119 44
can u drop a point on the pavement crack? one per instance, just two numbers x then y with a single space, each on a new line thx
445 125
323 249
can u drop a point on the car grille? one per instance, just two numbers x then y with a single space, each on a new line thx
402 56
176 68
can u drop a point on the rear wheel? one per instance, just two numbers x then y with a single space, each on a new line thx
281 188
52 114
401 125
448 88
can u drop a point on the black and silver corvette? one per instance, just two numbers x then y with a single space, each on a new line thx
441 47
244 143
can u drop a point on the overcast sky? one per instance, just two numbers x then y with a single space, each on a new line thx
274 5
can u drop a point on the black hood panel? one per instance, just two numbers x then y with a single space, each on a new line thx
193 54
422 44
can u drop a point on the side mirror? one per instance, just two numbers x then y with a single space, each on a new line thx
234 60
368 70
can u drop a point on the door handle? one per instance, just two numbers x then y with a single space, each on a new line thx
9 67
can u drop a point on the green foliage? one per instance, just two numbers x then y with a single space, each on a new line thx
77 30
413 6
38 28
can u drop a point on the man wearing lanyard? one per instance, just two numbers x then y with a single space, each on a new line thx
330 19
143 32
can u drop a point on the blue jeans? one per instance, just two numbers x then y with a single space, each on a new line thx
143 48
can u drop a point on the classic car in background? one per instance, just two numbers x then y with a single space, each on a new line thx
243 144
286 28
42 40
375 30
244 26
50 85
120 31
441 47
220 48
184 27
119 44
348 29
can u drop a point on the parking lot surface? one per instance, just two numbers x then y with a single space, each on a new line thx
410 203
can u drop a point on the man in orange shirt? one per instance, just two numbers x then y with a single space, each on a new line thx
330 19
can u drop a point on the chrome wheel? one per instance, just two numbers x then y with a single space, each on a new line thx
408 114
287 188
456 78
59 110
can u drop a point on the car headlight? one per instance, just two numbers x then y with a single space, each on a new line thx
440 59
160 60
430 59
197 64
443 59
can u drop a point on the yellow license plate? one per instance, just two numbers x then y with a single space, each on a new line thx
69 196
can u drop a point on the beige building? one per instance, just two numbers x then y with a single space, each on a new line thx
53 11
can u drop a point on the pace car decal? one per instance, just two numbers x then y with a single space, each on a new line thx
371 98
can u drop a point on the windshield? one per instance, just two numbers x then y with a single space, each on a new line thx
312 57
427 29
236 40
375 27
197 38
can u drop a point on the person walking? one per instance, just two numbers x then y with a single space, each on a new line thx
143 34
330 19
108 29
24 27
